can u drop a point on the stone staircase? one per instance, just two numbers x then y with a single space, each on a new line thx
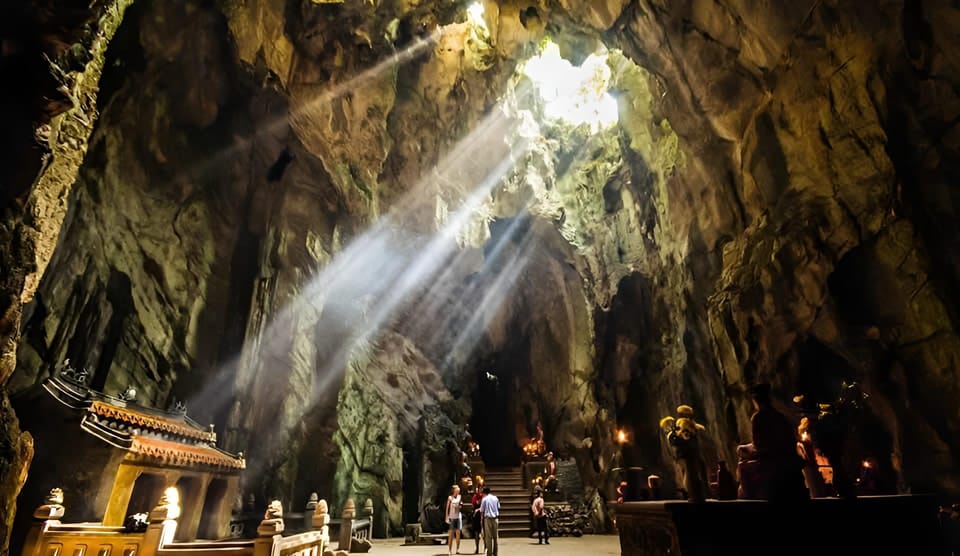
507 485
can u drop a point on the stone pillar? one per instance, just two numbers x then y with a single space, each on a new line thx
123 483
270 530
163 522
309 510
346 524
222 510
321 522
368 513
192 508
45 516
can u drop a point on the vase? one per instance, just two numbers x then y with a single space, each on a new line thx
694 478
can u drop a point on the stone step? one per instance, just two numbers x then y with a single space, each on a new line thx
510 487
513 491
514 532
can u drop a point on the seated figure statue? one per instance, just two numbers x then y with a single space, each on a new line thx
465 474
541 444
769 467
811 468
550 482
470 447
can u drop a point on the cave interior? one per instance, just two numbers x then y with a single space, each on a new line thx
338 233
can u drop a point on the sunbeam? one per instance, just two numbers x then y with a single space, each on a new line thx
363 287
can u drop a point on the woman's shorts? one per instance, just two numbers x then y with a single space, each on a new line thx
455 524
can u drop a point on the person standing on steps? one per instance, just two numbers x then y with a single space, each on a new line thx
490 508
476 523
540 518
454 520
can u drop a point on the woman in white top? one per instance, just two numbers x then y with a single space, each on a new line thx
453 519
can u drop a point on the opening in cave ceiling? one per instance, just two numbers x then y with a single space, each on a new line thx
475 15
575 94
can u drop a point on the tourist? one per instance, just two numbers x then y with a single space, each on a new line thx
454 520
490 508
540 517
476 523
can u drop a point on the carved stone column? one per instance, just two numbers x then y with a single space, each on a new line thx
346 524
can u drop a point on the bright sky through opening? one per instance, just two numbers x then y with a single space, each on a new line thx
475 15
574 94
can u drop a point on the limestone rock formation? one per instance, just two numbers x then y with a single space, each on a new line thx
341 231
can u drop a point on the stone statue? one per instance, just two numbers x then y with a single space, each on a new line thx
52 508
272 523
830 431
274 510
770 468
471 448
550 471
464 470
55 496
811 468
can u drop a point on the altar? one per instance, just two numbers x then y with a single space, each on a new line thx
901 525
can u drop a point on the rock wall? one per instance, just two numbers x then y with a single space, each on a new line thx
807 139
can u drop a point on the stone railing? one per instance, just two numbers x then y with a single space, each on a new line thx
354 534
50 537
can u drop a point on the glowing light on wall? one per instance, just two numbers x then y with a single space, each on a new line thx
475 15
622 437
574 94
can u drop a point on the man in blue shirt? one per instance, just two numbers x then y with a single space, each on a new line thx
490 508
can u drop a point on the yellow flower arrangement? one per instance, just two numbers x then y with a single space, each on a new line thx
667 424
682 432
683 426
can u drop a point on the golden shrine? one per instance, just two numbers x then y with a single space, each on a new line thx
127 456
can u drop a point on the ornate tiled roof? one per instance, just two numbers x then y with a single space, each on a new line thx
158 424
170 438
181 455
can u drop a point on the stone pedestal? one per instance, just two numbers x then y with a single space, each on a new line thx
823 526
533 467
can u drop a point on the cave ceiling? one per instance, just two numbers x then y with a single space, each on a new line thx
325 224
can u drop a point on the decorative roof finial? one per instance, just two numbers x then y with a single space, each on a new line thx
128 395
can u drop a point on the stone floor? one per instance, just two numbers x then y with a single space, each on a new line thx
594 545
